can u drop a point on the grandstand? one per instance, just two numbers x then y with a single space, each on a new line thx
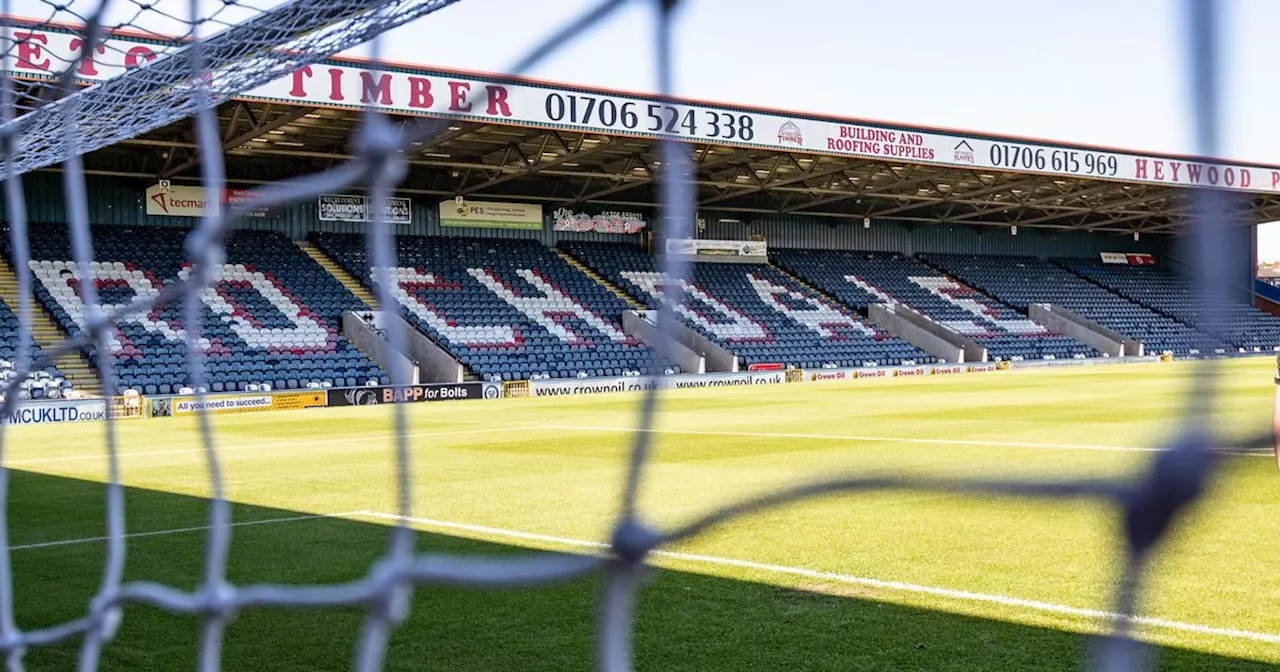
1021 281
533 255
968 231
1172 295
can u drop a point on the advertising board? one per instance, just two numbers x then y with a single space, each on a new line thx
221 404
497 99
370 396
165 198
490 215
357 208
605 221
552 388
51 412
718 248
860 373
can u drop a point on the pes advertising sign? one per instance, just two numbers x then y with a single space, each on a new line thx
490 215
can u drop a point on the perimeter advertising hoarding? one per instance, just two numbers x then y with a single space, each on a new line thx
221 404
550 388
371 396
65 410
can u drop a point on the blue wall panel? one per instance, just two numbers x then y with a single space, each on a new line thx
912 238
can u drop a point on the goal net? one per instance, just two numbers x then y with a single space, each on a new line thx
81 95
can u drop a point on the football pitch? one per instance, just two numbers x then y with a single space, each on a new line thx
884 581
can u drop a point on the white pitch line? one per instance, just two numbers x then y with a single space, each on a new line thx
183 530
895 586
892 586
283 442
878 439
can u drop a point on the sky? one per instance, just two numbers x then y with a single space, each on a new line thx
1107 72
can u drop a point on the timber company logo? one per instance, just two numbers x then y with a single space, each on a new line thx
789 132
964 152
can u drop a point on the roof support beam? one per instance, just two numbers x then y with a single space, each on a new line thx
258 131
633 183
540 165
803 177
859 191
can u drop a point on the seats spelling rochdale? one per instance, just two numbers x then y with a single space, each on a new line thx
859 279
1021 281
270 320
754 311
507 309
1174 295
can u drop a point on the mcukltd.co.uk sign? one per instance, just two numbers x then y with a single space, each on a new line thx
53 412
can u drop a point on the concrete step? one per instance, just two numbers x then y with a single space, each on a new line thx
47 334
354 286
586 270
332 268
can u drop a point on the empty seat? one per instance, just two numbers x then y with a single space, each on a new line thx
754 311
1168 293
859 279
1020 281
507 309
272 312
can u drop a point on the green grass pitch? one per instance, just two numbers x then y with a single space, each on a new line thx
891 581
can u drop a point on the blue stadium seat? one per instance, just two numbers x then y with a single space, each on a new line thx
47 382
1020 281
1167 293
507 309
754 311
273 312
859 279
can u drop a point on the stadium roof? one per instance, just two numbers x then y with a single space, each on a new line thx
564 145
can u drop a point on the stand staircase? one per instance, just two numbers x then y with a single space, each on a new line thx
46 334
356 287
635 305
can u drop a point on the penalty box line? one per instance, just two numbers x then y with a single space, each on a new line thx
879 584
183 530
281 443
859 438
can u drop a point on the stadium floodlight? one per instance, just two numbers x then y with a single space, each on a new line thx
50 121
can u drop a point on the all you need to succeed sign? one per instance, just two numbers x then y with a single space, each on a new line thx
38 52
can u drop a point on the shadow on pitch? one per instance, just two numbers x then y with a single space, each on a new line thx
686 621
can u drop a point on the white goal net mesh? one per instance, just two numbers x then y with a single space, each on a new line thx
51 120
